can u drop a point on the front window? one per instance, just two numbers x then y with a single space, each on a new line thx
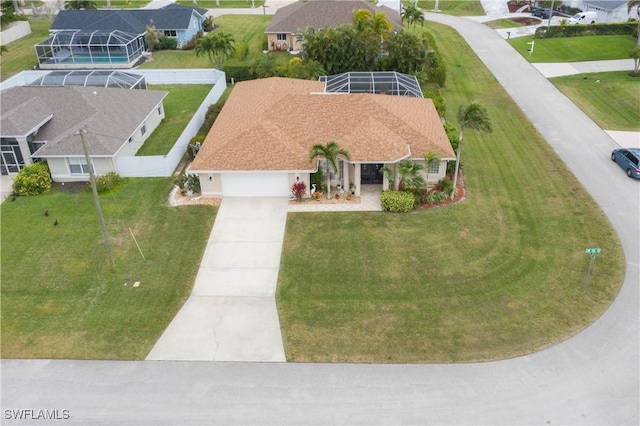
170 33
282 37
77 166
434 167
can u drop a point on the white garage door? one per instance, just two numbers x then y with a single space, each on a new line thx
255 185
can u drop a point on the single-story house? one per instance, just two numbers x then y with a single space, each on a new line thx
283 33
260 143
607 10
43 122
112 38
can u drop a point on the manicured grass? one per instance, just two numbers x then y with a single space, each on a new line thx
123 4
575 49
611 99
22 55
454 7
179 106
247 28
60 298
503 23
496 276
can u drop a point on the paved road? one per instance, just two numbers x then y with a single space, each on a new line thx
591 378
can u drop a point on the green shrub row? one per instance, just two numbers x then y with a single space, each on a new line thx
239 71
585 30
397 201
108 182
34 179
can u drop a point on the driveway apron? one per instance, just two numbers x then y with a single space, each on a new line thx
231 314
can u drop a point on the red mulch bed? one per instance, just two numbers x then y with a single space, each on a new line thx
461 194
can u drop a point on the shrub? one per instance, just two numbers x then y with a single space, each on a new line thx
436 96
210 118
584 30
237 71
317 178
33 179
188 182
208 24
436 197
452 134
397 201
242 50
109 181
167 43
191 44
298 190
445 185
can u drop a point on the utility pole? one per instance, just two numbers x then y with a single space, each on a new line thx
96 199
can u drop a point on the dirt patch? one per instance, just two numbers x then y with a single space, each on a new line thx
71 187
526 21
323 200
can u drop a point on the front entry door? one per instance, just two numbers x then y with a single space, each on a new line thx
370 174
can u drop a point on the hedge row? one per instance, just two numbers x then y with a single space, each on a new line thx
397 201
586 30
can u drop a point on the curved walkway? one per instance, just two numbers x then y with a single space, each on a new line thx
591 378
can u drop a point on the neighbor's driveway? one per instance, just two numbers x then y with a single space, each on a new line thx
231 314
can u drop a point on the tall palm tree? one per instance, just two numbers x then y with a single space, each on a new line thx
630 5
218 46
330 153
473 116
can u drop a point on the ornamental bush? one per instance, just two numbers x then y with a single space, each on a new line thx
33 179
397 201
109 181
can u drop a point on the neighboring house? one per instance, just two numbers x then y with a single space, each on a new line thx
607 10
260 143
43 122
284 31
112 38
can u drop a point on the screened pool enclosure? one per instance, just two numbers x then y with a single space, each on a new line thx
90 49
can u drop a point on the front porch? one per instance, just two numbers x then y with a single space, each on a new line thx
368 200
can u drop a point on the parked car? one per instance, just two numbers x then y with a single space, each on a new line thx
583 18
629 160
541 12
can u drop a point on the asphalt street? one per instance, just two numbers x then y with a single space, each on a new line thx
591 378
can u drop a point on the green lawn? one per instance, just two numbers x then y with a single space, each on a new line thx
496 276
22 55
503 23
247 28
575 49
123 4
454 7
60 298
179 106
611 99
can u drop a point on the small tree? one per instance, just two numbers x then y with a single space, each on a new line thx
151 36
299 189
409 175
217 46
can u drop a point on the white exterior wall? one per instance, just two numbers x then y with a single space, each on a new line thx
60 169
211 185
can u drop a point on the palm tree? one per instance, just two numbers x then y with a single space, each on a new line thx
330 153
409 175
630 5
473 116
218 46
412 15
430 157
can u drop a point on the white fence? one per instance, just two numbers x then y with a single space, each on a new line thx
16 30
156 165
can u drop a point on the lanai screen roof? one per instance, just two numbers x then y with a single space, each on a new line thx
90 38
382 82
103 78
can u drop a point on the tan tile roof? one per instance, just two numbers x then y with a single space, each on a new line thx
271 124
324 14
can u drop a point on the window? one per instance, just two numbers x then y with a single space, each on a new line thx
434 167
159 110
143 129
170 33
282 37
77 166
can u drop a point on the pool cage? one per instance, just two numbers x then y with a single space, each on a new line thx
380 82
90 49
100 78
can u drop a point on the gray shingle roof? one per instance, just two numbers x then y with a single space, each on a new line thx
109 115
324 14
171 17
22 118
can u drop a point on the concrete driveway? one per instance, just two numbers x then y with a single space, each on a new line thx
231 314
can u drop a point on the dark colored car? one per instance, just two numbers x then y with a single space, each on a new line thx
541 12
629 160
